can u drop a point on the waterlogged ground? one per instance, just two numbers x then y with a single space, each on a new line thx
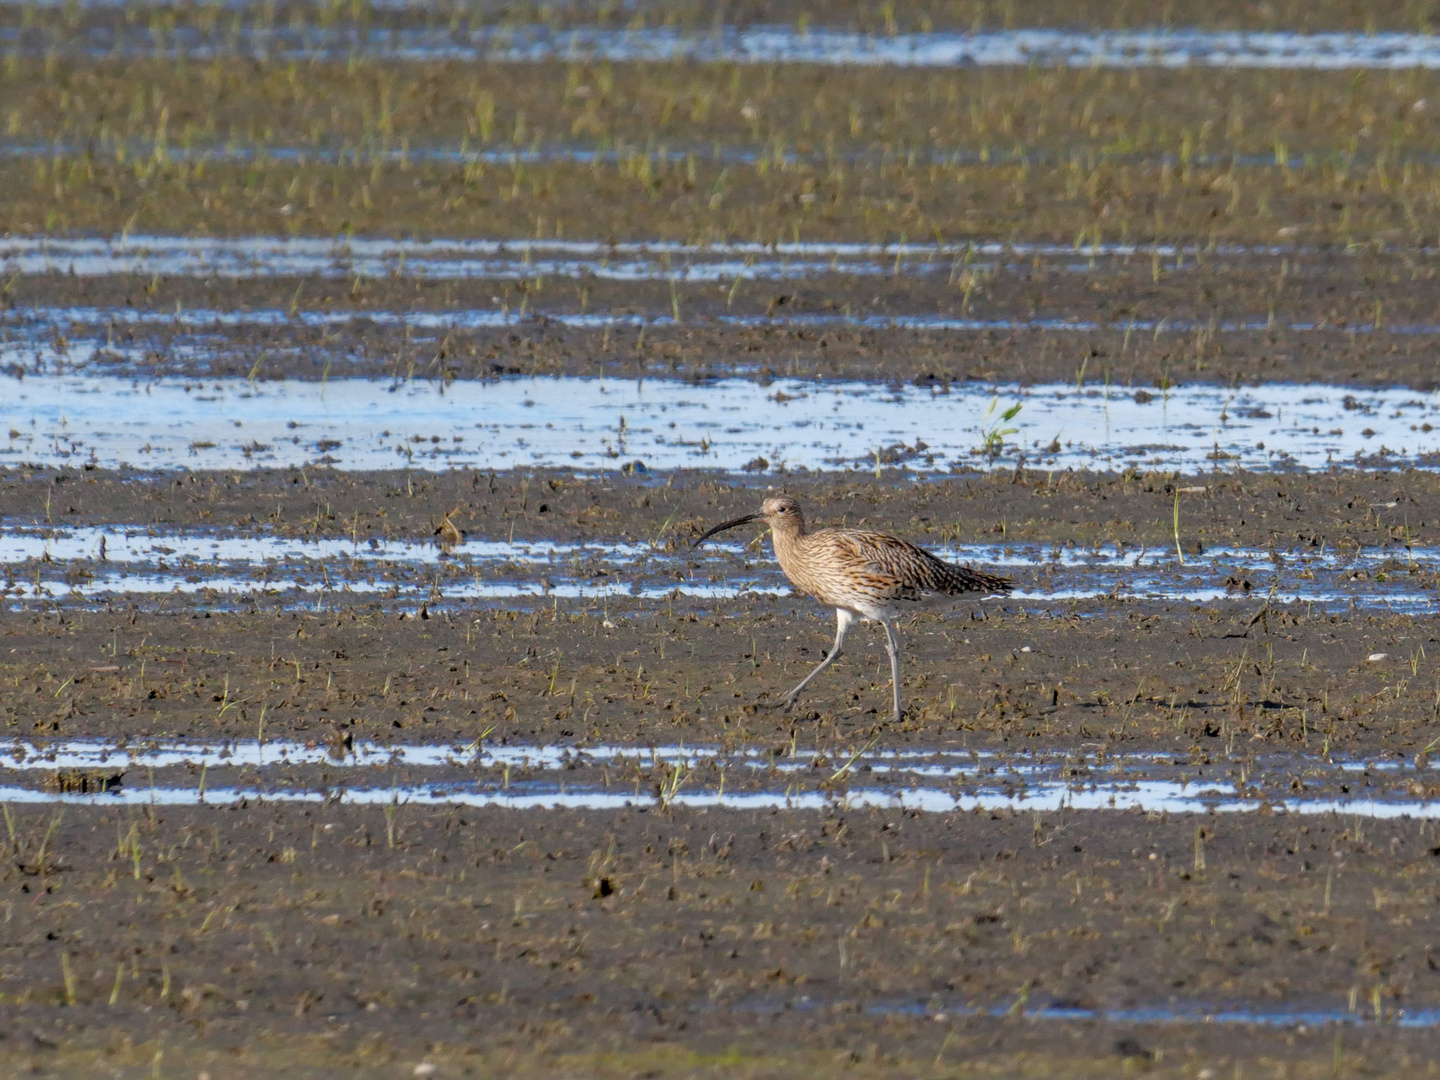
367 371
272 707
700 942
780 427
1084 309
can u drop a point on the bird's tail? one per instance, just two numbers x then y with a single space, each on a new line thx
966 579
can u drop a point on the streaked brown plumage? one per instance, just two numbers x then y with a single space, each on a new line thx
861 574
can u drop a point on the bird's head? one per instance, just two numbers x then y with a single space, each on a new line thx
781 513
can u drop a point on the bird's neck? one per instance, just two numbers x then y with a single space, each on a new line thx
787 538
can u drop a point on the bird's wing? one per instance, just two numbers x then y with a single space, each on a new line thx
898 570
887 566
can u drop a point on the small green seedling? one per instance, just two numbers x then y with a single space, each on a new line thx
993 433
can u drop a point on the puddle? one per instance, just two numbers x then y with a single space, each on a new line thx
142 344
1038 47
87 565
269 256
905 761
1156 798
285 264
410 596
943 1007
483 319
146 545
594 425
367 153
71 340
612 777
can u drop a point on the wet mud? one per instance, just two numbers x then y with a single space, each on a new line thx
882 942
804 774
364 707
1152 677
106 196
1246 661
1338 509
830 152
1288 15
1293 925
1129 316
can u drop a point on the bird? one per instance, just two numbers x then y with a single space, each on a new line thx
863 575
447 535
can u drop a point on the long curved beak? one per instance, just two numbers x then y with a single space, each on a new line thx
746 520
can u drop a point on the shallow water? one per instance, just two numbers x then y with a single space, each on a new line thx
409 596
612 776
942 1007
280 263
93 564
1146 798
299 594
273 256
195 337
1038 47
594 425
20 543
146 545
1152 798
366 152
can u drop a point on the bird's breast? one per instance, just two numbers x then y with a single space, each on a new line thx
830 580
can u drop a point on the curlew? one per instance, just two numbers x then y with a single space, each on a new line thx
447 535
862 575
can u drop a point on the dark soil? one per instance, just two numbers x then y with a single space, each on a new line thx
268 939
472 942
941 15
1342 508
878 154
861 123
686 943
1378 296
1118 200
1134 672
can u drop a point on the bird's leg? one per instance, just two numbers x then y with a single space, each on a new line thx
892 646
843 621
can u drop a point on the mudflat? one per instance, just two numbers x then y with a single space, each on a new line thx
698 943
695 941
358 760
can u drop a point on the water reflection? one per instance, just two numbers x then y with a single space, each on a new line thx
927 780
1035 47
590 424
91 564
273 256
